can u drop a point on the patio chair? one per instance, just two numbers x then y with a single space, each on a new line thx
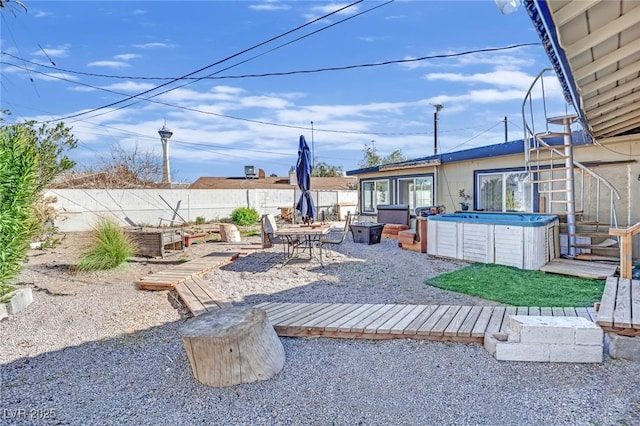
269 227
336 237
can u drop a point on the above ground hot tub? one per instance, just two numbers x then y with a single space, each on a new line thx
526 241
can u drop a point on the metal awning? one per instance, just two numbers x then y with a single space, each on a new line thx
594 46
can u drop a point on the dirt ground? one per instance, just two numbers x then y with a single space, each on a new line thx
53 269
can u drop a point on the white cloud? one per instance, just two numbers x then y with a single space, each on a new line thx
500 78
270 5
127 56
328 8
42 14
139 12
130 86
153 45
53 52
54 76
108 64
228 90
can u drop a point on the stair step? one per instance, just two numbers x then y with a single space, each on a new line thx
593 234
552 190
549 170
549 147
551 180
544 135
562 119
554 157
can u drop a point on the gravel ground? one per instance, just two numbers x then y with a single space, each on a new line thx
92 349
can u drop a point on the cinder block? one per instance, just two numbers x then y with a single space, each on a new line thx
553 330
591 335
3 311
521 352
575 353
21 299
623 347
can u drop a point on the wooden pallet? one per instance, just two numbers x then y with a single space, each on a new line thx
466 324
619 310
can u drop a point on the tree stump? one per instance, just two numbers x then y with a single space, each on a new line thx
229 233
231 346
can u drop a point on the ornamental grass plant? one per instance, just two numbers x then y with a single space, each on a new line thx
110 247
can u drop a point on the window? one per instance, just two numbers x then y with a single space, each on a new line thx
374 192
504 191
416 191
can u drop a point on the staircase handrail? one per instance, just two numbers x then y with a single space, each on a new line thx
582 167
626 248
529 133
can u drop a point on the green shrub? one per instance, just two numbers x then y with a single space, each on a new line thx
110 248
244 216
19 189
200 220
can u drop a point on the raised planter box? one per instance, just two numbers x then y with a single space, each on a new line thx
366 233
194 238
155 243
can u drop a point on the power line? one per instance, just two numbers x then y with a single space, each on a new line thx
128 98
287 73
290 126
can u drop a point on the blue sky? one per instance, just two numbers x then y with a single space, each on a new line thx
105 52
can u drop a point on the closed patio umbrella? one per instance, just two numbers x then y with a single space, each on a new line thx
303 175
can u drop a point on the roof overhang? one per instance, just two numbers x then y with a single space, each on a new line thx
593 46
410 165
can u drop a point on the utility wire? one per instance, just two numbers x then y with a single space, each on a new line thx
286 73
128 98
232 66
290 126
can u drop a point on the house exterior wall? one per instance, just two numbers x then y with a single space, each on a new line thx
450 177
81 209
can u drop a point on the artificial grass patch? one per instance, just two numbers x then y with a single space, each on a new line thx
516 287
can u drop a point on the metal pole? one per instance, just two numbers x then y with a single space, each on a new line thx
313 151
435 128
435 133
506 134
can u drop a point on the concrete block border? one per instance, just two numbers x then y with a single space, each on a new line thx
18 300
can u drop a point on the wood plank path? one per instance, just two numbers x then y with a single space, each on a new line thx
171 277
390 321
620 307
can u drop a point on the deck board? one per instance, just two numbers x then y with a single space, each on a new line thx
423 316
470 321
388 321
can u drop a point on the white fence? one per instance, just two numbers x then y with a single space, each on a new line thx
80 209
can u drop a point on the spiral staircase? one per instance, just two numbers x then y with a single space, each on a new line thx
566 187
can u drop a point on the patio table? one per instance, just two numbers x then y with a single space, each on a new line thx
302 237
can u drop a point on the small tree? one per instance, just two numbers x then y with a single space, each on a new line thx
123 168
372 158
325 170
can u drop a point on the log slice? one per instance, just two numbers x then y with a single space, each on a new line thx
232 346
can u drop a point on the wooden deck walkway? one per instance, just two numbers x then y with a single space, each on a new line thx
199 297
620 307
170 278
389 321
